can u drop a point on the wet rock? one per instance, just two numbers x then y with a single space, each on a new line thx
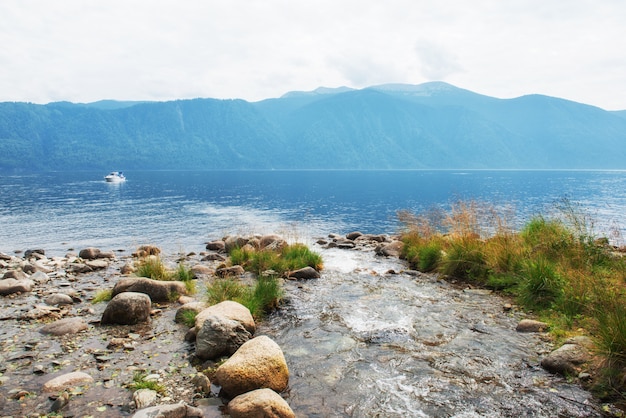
40 277
230 271
196 307
144 398
60 403
219 336
127 269
530 325
11 286
202 384
258 364
67 381
345 244
230 243
106 254
5 257
305 273
393 249
213 257
272 242
42 311
89 253
97 264
353 235
65 326
58 299
32 253
127 308
259 403
146 251
79 268
158 290
231 310
180 410
201 270
566 359
218 246
15 274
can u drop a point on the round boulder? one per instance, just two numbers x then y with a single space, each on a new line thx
231 310
258 364
259 403
305 273
219 336
67 381
89 253
11 286
128 308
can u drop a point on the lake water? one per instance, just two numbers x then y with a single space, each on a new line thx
180 211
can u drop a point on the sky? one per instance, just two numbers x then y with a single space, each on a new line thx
89 50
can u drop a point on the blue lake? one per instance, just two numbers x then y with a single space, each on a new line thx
180 211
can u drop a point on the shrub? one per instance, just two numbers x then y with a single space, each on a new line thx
103 295
260 298
224 289
428 256
297 256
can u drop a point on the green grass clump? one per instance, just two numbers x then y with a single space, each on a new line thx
260 298
153 268
140 382
103 295
557 267
288 258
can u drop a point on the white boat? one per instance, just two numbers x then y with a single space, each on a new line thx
115 177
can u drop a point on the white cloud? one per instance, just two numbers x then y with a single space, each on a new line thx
164 49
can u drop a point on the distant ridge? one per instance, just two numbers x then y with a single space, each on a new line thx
388 126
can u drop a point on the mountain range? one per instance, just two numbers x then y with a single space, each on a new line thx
394 126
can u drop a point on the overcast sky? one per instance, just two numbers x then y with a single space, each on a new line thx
87 50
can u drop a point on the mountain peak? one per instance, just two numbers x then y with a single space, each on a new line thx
317 92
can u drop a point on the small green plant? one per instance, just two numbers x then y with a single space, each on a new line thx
259 298
429 256
103 295
224 289
188 317
140 382
183 274
465 260
153 268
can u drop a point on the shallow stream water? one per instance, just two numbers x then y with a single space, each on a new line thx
363 342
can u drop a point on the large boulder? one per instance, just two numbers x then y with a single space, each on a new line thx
219 336
65 326
128 308
158 290
218 246
231 310
11 286
258 364
260 403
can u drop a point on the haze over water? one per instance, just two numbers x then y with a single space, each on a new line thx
180 211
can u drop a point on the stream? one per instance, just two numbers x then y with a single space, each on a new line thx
369 339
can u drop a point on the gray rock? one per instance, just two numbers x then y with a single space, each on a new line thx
353 235
196 307
231 310
40 277
530 325
58 299
65 326
230 271
127 308
202 384
11 286
219 336
158 290
144 398
67 381
89 253
15 274
393 249
179 410
305 273
566 359
218 246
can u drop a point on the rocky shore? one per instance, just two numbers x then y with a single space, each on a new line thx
64 355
